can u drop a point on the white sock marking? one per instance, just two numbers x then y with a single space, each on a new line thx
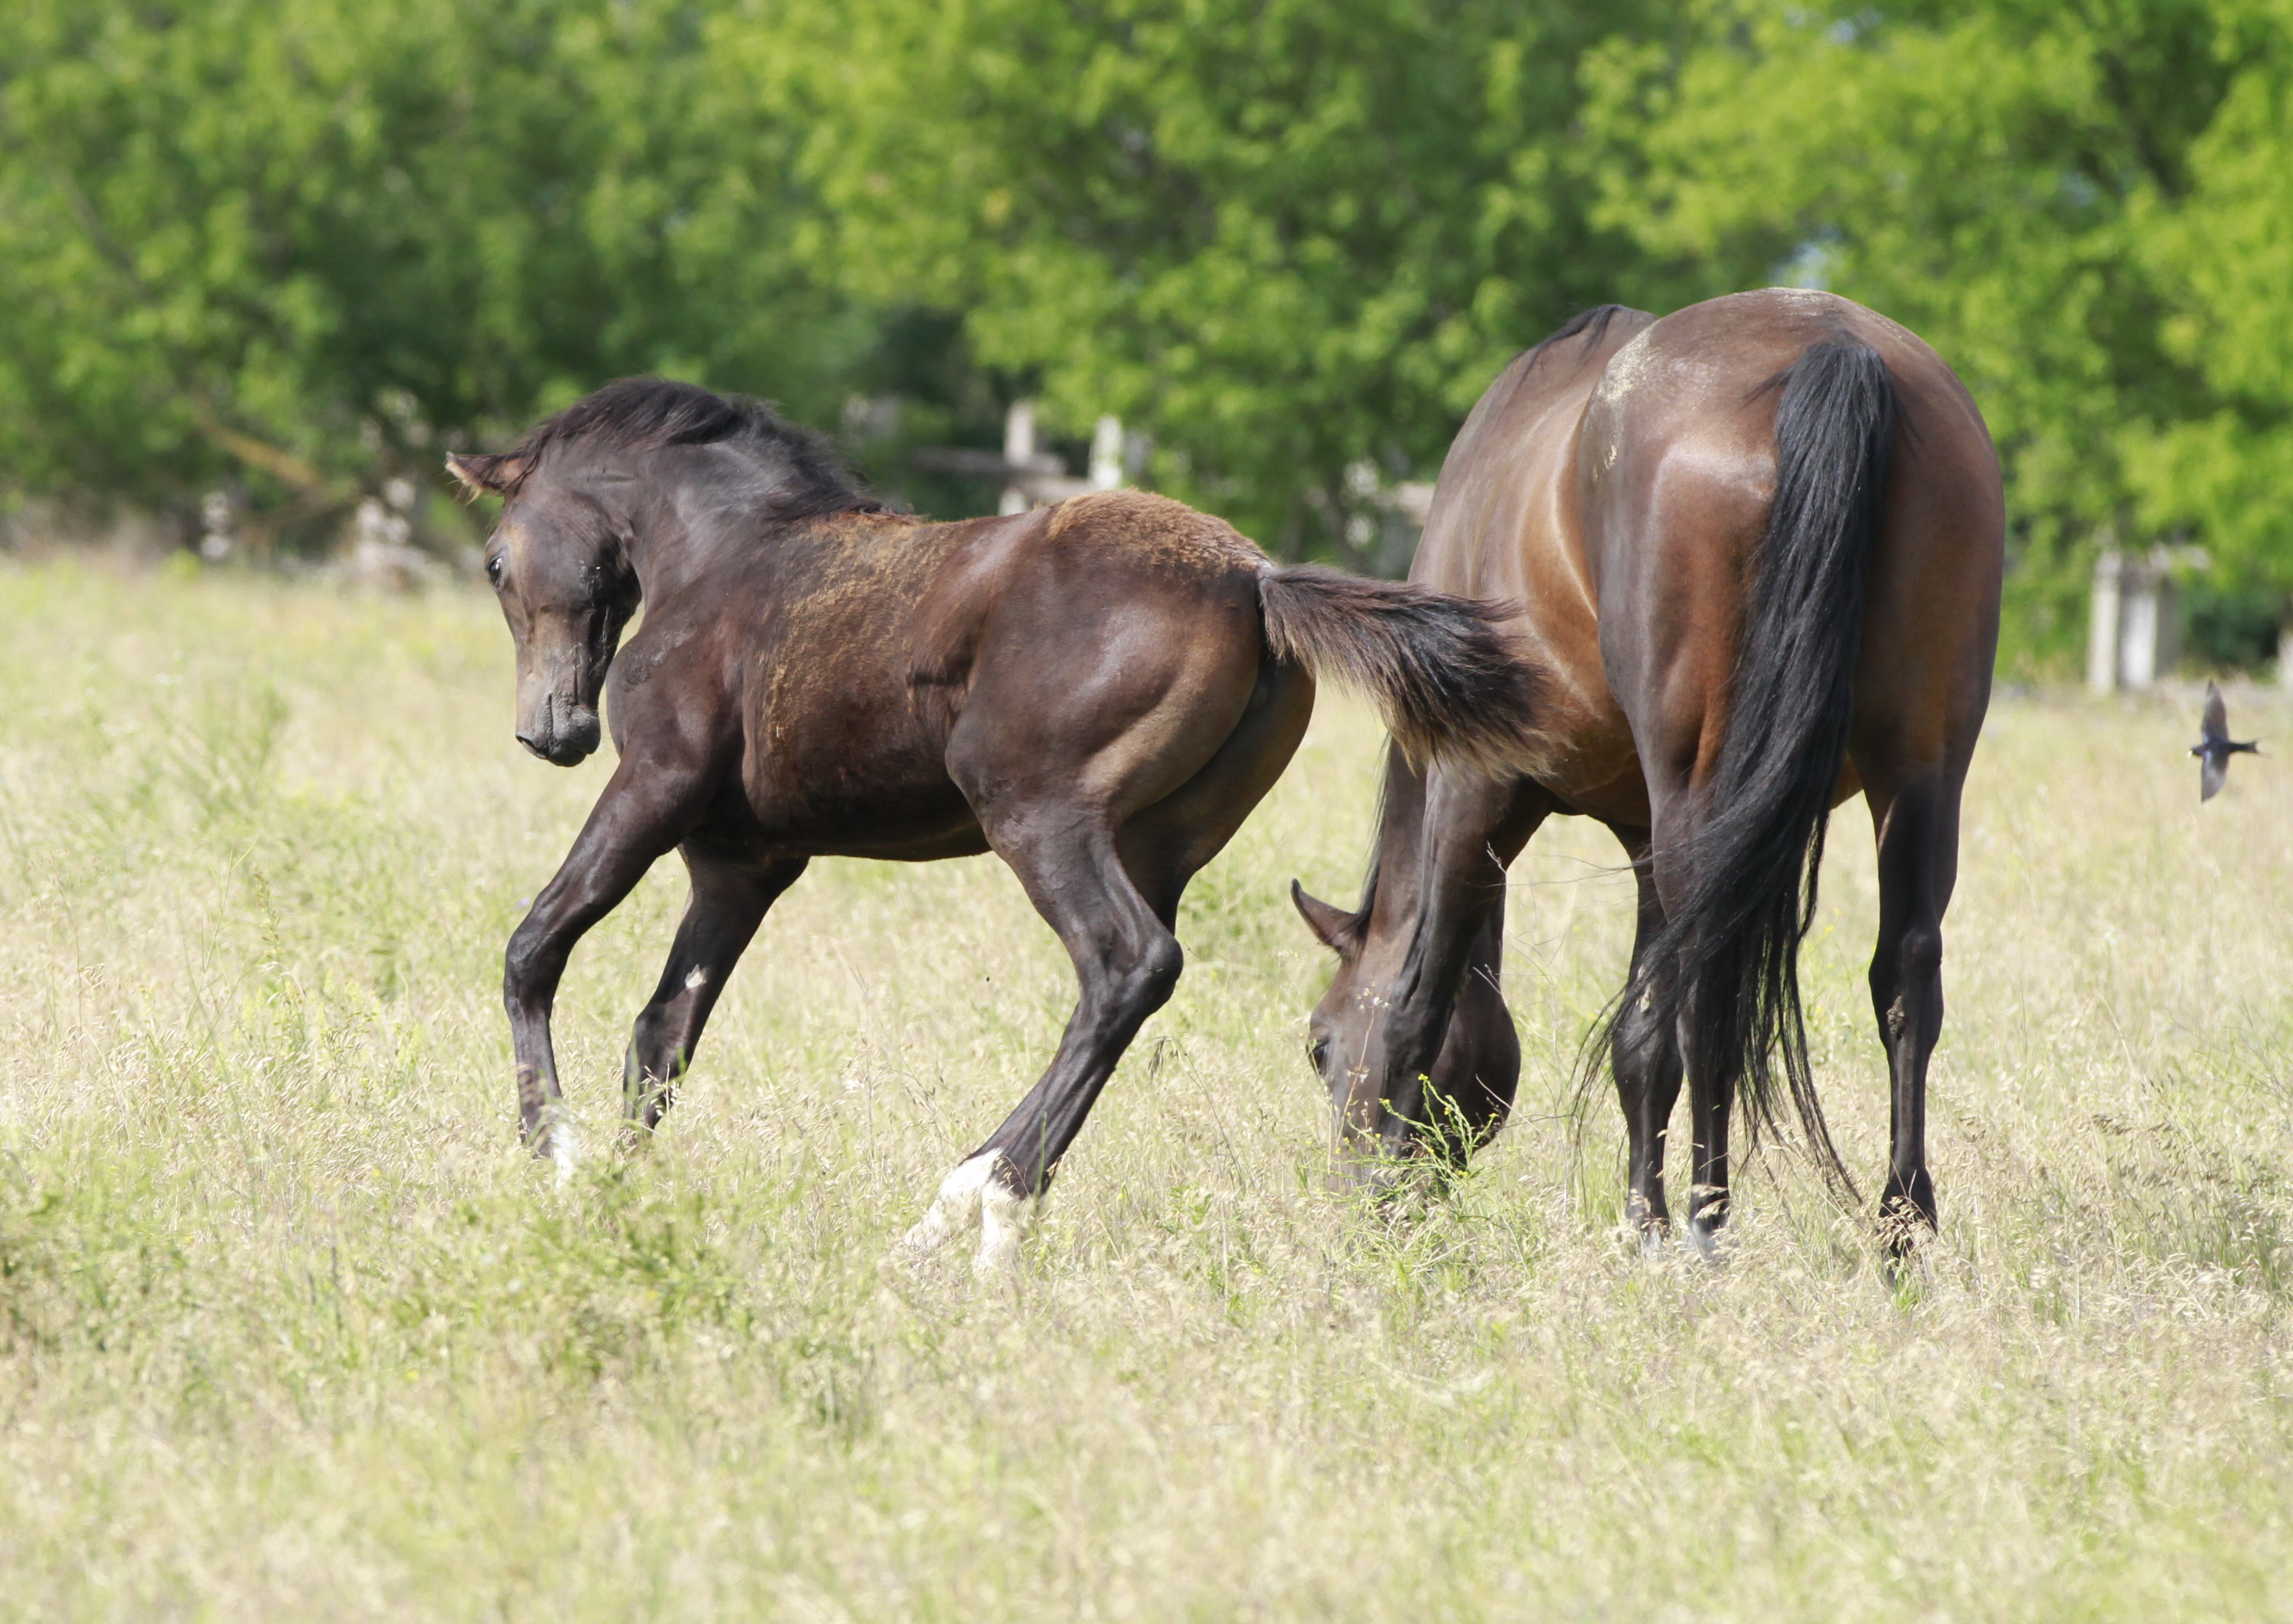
1004 1220
972 1195
564 1143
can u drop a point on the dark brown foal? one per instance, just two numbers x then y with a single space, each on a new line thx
1099 693
1757 546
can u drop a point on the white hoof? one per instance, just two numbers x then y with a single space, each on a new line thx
1004 1220
560 1143
971 1196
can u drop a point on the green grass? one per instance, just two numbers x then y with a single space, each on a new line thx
290 1328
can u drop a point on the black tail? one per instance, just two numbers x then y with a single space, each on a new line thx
1727 958
1449 686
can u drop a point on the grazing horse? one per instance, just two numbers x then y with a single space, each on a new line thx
1099 693
1756 547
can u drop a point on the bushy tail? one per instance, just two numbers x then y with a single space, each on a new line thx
1727 958
1438 669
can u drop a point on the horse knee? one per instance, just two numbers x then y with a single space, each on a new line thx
1152 975
1915 962
525 966
1919 955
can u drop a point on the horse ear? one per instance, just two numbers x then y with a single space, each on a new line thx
485 476
1333 926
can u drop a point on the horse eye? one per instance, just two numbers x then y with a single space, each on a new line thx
1318 1051
494 569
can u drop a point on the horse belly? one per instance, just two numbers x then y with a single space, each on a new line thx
849 773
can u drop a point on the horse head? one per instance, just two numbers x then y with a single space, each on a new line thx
1395 1092
559 562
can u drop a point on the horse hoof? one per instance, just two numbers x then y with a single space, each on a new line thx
973 1196
558 1145
1906 1218
1650 1240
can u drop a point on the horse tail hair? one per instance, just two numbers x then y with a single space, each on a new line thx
1450 687
1725 970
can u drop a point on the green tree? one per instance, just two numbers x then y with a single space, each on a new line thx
298 244
1287 238
2221 255
2006 177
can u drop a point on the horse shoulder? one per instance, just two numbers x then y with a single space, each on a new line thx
949 615
670 692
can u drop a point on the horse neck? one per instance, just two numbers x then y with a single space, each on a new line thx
664 551
694 515
1399 884
682 528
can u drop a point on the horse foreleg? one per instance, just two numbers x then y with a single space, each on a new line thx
1474 827
721 917
1126 961
641 815
1918 860
1644 1057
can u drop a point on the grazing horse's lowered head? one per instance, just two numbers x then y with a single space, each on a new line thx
1452 1105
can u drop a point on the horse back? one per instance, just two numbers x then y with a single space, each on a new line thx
1506 525
864 639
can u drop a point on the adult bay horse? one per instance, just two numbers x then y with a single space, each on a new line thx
1099 693
1757 546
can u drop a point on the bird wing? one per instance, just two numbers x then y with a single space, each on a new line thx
2210 773
2216 721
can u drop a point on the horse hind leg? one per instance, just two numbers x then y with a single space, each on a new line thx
1711 1101
1166 845
1918 848
1699 1017
1127 964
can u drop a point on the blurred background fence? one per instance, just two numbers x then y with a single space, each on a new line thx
262 263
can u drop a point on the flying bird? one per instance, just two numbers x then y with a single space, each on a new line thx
2215 746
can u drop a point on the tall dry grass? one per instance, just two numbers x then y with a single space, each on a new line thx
288 1328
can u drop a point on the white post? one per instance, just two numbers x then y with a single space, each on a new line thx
1106 453
215 526
1019 451
2137 647
2105 631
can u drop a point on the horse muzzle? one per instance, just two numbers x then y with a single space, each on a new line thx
561 734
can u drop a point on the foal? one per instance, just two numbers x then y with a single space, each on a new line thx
1099 693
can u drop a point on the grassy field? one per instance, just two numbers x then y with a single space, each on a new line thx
289 1328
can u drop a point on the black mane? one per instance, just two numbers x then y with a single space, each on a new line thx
647 414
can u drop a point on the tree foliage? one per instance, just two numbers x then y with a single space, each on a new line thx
295 247
2043 191
1288 238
